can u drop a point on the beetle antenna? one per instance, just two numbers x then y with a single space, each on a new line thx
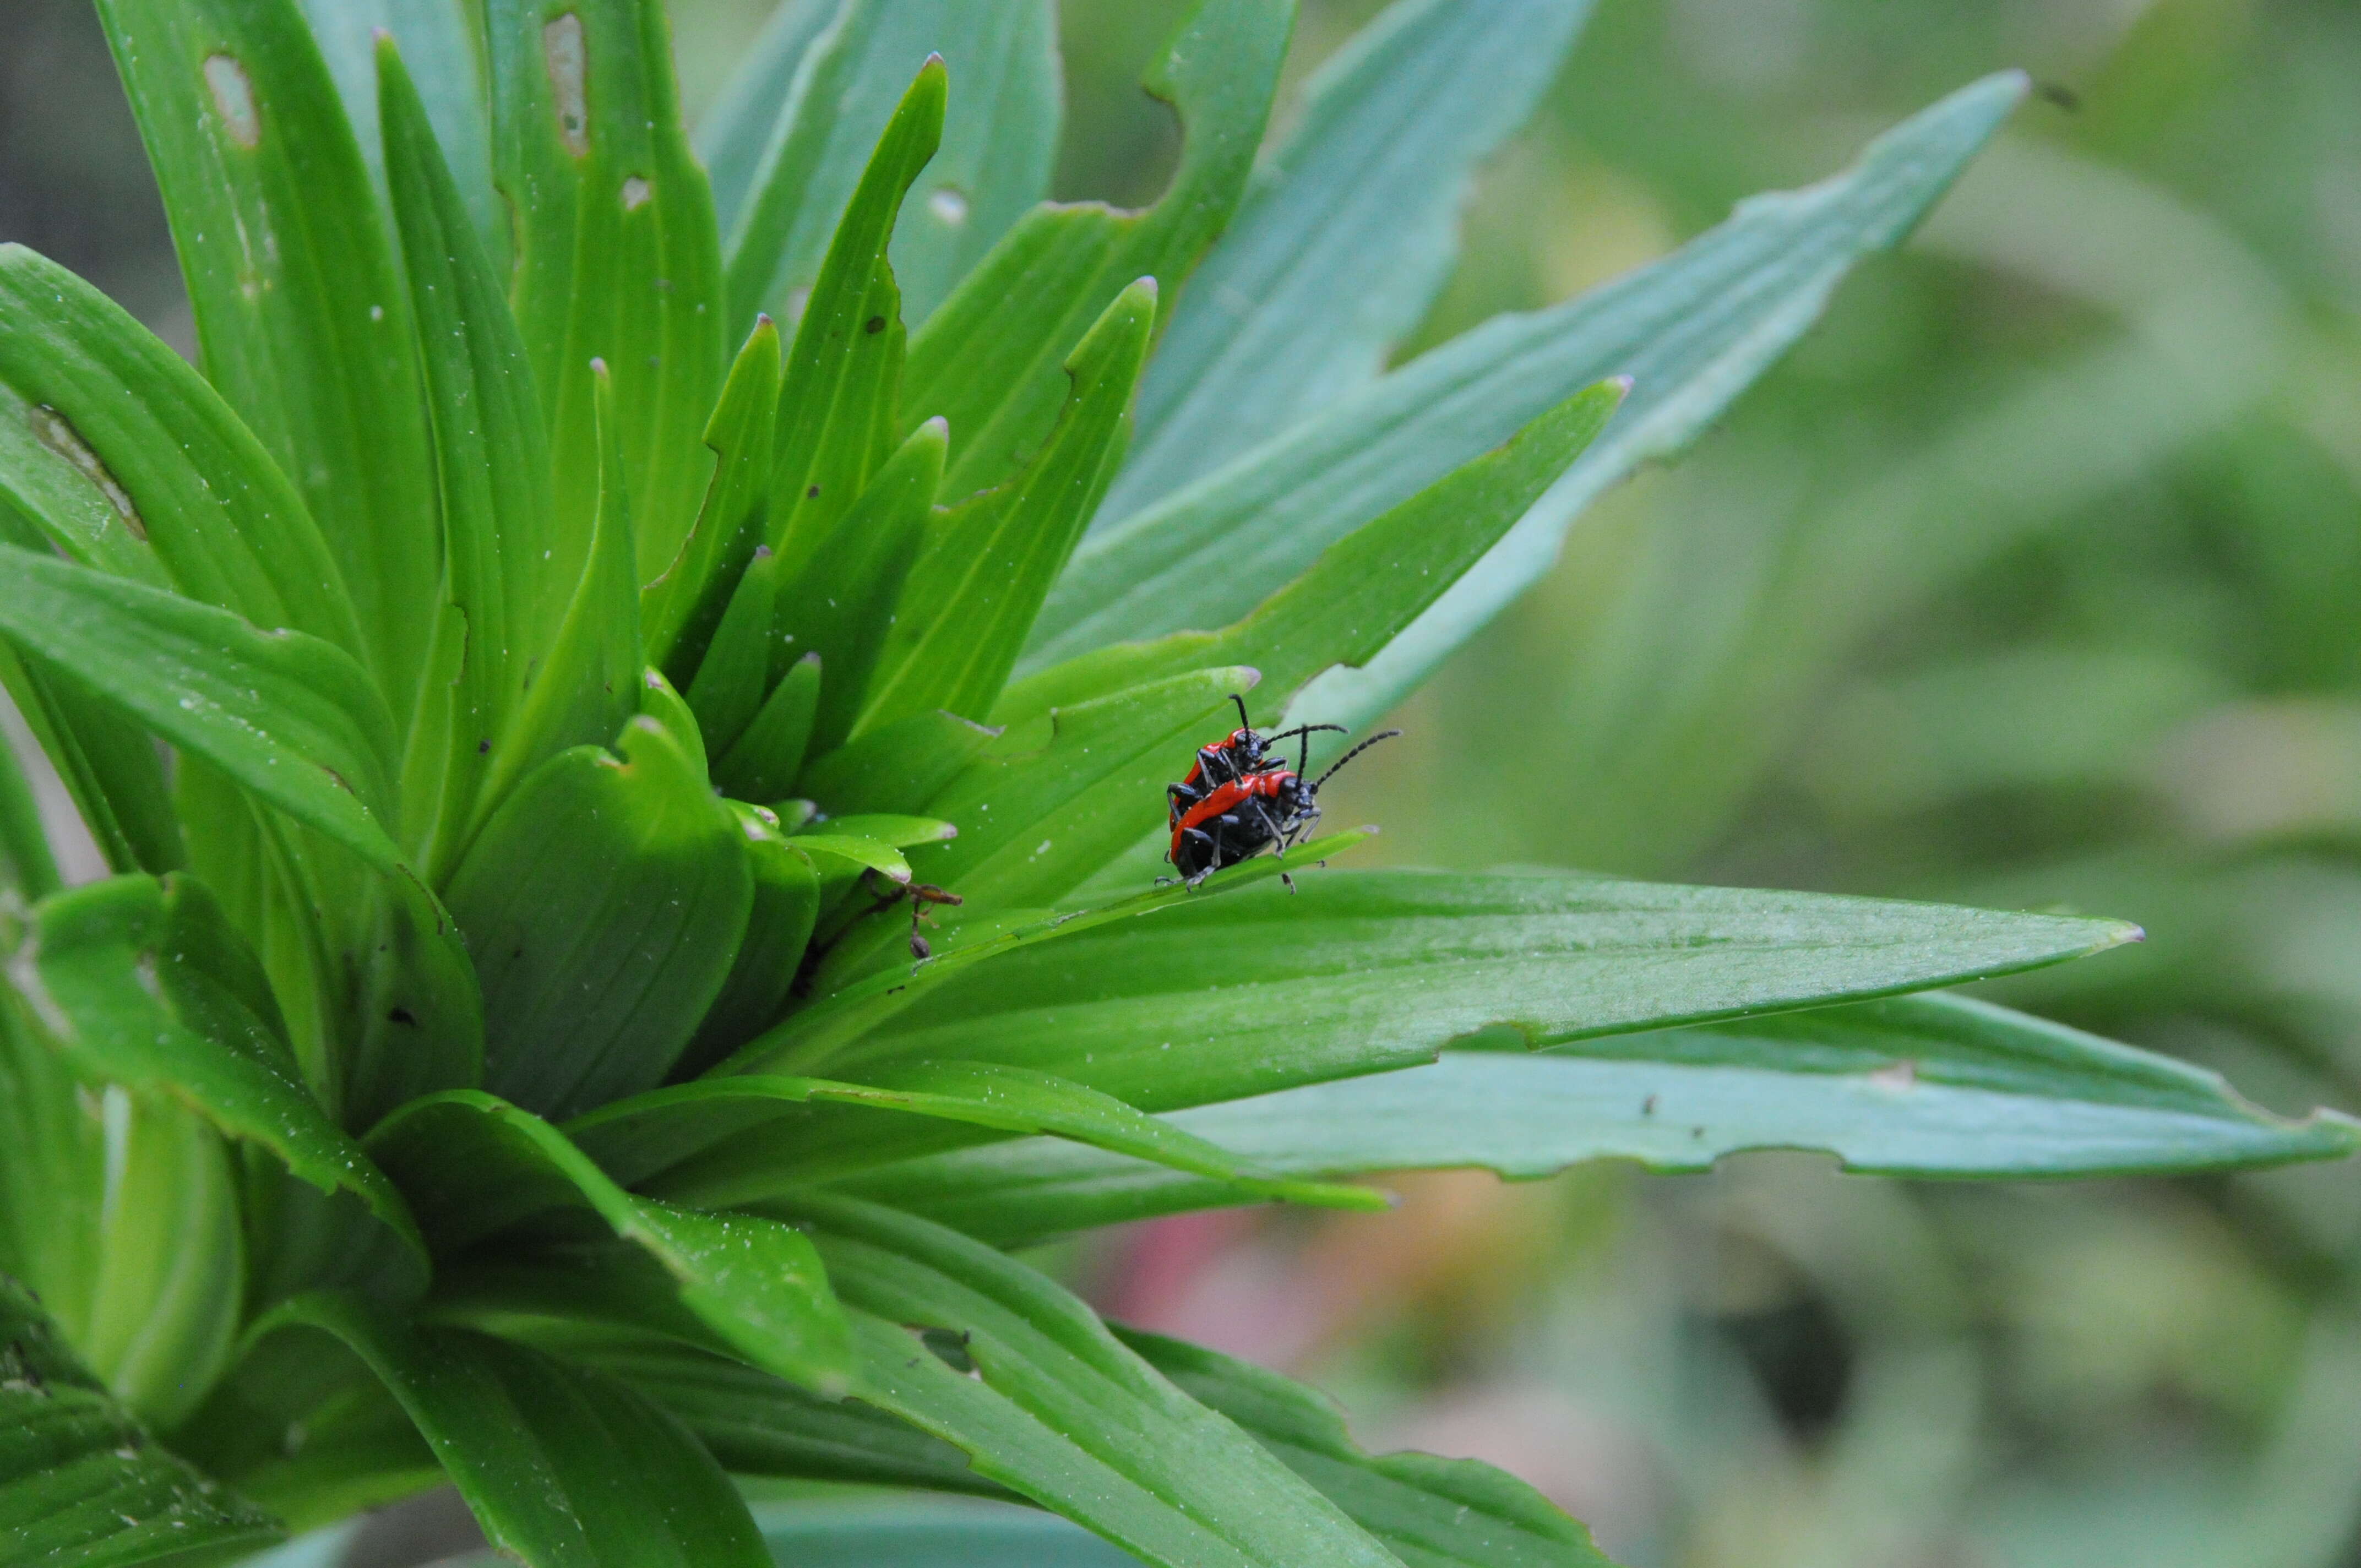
1244 722
1380 735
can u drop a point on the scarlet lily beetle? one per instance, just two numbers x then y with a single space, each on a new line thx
1220 820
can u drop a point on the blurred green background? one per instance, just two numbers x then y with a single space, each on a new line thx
2033 577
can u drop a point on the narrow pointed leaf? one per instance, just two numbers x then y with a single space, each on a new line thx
300 310
1359 972
108 764
601 904
616 255
1058 1409
671 713
27 865
564 1467
80 1482
1692 331
788 141
902 833
1364 588
841 605
763 762
478 1167
844 378
988 562
581 695
286 716
1345 235
735 674
896 767
491 454
680 609
142 428
988 360
1433 1513
1927 1086
78 967
784 909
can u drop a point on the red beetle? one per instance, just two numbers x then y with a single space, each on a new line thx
1238 817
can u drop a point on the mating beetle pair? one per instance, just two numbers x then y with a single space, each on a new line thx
1235 801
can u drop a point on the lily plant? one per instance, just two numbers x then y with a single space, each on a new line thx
626 710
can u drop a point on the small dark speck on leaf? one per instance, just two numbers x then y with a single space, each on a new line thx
401 1015
2059 93
812 494
873 324
1647 1106
484 747
1697 1131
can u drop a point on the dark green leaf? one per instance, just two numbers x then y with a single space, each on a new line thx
987 564
1046 1401
602 905
1345 234
27 867
107 762
1692 330
779 923
896 767
81 1486
564 1467
590 682
988 360
842 606
300 310
763 762
788 141
735 673
492 457
1361 592
286 716
681 608
1433 1513
136 427
616 256
476 1165
1216 998
844 378
79 967
902 833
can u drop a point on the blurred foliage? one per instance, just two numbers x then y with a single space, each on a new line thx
2033 578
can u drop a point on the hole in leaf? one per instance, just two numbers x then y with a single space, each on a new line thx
949 1347
569 61
233 99
636 192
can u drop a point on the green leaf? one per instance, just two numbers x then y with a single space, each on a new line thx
27 867
818 1033
1345 235
616 258
763 762
734 676
134 421
286 716
760 1425
439 38
730 1140
1046 1401
844 377
988 360
1433 1513
477 1167
1364 588
590 682
106 761
681 608
80 967
300 310
988 562
601 904
788 142
564 1467
1259 990
671 713
842 606
784 908
1692 331
491 456
1926 1086
928 1533
867 853
902 833
81 1484
896 767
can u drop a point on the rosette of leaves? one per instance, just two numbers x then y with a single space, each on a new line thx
597 574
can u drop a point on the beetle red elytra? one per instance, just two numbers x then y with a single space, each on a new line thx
1232 806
